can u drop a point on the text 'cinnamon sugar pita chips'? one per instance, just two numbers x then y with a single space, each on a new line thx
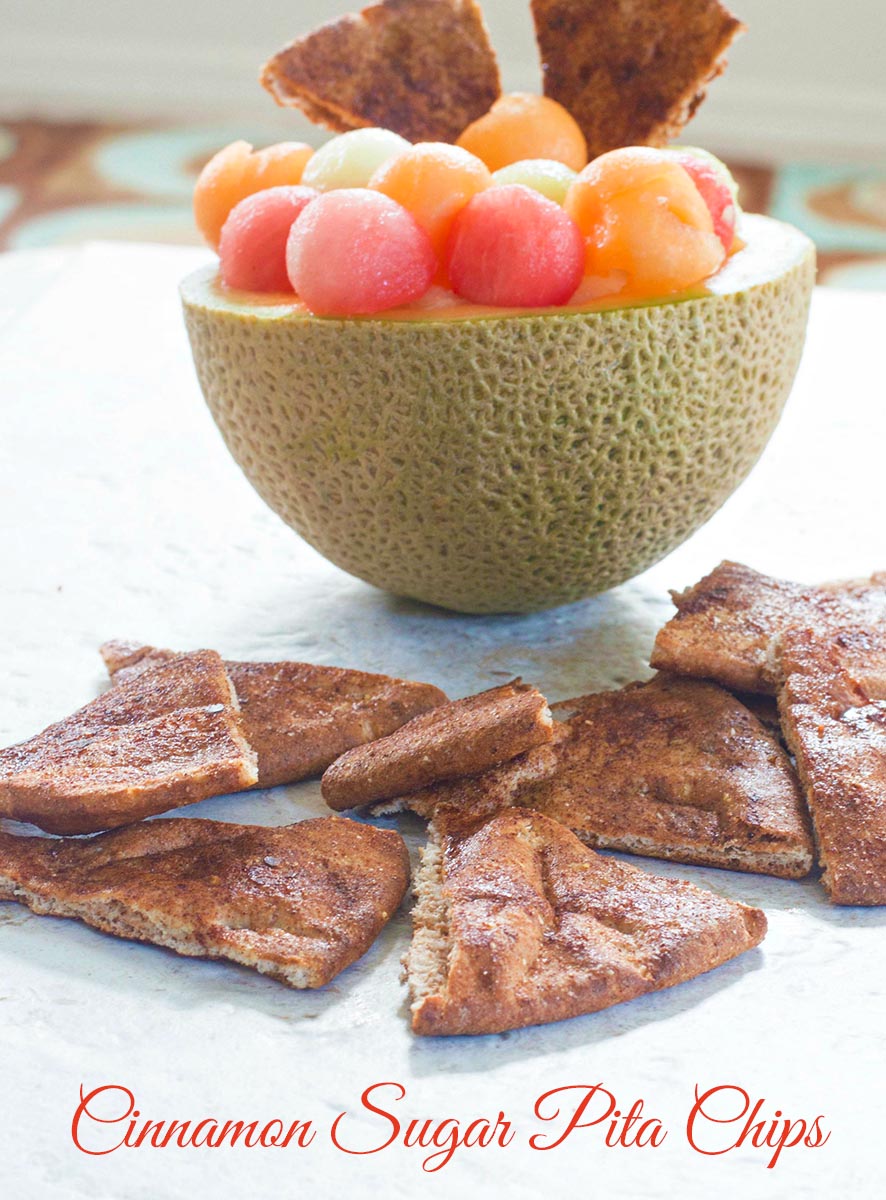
162 740
631 72
299 902
517 923
423 68
299 717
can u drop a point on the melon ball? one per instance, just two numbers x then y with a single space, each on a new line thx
642 216
434 181
717 186
351 159
543 175
514 248
252 249
522 125
238 171
354 251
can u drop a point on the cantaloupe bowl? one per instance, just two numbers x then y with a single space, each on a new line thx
492 461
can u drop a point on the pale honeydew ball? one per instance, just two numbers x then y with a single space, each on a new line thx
544 175
351 159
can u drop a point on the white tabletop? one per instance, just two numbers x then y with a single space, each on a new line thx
122 515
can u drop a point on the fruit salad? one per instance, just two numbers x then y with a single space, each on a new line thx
512 216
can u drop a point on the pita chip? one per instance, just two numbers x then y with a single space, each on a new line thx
164 739
631 72
299 903
725 624
517 923
424 68
674 768
460 738
299 717
833 712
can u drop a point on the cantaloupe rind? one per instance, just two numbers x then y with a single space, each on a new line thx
507 463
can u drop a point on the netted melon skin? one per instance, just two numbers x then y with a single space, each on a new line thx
501 464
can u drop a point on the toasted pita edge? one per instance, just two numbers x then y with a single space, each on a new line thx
687 103
786 864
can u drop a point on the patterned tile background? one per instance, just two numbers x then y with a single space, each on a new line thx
69 183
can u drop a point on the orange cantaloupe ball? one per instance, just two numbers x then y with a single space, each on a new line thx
434 181
238 171
642 215
522 125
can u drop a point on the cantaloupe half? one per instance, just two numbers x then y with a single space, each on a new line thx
502 462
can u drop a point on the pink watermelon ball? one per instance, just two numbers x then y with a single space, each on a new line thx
252 248
355 252
512 247
717 195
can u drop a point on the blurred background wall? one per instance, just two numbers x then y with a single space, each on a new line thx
809 79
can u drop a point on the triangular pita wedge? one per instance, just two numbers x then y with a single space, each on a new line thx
424 68
631 72
673 768
457 739
517 923
299 902
833 712
726 623
299 717
168 738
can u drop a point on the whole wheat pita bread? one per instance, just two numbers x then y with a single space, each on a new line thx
517 923
296 716
631 72
726 623
424 68
833 712
168 738
673 768
457 739
300 902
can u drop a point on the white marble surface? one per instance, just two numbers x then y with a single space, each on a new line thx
123 515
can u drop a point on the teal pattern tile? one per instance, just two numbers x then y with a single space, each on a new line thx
841 208
9 199
160 162
114 222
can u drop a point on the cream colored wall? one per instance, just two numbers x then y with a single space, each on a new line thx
809 77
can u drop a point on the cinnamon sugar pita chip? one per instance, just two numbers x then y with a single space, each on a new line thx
299 717
833 711
161 740
300 902
517 923
674 768
725 624
424 68
454 740
631 72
